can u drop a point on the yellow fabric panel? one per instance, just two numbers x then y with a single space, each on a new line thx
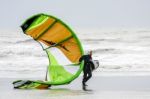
56 34
35 32
73 53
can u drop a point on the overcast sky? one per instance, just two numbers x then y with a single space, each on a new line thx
79 13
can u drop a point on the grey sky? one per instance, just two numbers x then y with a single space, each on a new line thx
79 13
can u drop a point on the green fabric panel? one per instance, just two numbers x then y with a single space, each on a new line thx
57 72
53 61
38 21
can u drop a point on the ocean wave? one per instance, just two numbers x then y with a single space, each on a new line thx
94 40
143 31
110 40
22 70
144 37
101 40
11 41
6 54
110 67
25 41
115 51
31 54
106 50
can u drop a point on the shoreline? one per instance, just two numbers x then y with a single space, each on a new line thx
121 73
95 74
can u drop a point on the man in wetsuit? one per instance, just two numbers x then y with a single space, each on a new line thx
87 69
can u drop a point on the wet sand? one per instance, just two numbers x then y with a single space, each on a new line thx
103 87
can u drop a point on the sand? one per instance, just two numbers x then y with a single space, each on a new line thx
103 87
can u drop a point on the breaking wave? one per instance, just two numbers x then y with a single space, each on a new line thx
25 41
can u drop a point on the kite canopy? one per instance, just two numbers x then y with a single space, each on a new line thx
61 45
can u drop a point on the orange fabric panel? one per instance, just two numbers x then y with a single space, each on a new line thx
71 50
56 34
35 32
42 86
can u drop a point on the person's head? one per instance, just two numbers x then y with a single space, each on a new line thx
90 53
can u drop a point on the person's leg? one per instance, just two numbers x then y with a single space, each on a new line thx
84 78
88 76
84 81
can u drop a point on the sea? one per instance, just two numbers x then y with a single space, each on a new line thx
117 50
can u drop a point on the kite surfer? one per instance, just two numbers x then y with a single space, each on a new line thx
87 69
63 49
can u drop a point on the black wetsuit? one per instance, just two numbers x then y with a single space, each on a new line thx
88 68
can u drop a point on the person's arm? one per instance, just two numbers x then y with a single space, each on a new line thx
81 59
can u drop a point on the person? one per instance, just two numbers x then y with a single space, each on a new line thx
87 69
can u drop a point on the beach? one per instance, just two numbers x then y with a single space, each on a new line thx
102 87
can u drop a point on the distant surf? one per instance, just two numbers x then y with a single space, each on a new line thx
117 50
